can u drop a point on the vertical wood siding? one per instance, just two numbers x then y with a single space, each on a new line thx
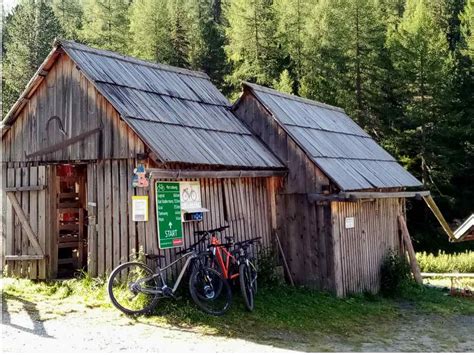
243 203
304 228
67 93
34 205
363 247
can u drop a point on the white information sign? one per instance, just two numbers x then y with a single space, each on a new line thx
190 192
349 222
140 208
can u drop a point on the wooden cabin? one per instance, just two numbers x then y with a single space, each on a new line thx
72 147
337 212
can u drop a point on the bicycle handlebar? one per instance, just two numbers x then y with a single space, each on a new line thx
249 241
192 246
210 231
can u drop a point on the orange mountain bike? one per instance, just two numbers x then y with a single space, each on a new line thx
235 263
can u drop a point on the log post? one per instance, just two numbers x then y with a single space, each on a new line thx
411 252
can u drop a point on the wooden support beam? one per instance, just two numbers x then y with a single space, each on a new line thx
64 144
24 222
411 252
395 194
287 268
24 257
25 188
216 174
316 197
439 216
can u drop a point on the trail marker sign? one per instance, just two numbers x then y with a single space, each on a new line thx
168 213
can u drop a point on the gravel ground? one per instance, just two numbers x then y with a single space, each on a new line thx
28 327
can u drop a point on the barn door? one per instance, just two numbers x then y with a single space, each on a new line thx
25 222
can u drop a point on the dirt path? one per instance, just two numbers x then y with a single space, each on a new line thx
44 328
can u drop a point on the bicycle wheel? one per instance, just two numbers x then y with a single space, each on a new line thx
128 285
245 277
210 291
253 273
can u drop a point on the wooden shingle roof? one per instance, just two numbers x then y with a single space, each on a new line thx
334 142
178 113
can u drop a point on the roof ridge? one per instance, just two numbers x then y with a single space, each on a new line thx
126 58
291 96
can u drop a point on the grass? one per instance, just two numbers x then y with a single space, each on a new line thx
297 311
443 262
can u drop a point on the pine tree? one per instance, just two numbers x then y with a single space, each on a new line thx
106 24
421 59
180 34
31 30
208 40
292 16
344 63
69 13
150 29
324 58
467 28
252 49
285 84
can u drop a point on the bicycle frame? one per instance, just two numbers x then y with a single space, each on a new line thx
160 274
220 253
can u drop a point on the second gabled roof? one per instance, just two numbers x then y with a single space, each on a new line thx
335 143
178 113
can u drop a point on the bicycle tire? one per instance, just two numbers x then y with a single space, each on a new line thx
203 277
246 286
115 288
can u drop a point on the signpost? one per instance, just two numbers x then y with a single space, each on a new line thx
168 212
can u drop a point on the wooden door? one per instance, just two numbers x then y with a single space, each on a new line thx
26 221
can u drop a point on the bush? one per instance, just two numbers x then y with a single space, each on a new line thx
267 266
443 262
395 273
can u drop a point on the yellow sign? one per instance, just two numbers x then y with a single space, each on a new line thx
140 208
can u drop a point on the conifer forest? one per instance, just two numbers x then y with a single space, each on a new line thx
402 69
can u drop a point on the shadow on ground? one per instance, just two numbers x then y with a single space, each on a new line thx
32 311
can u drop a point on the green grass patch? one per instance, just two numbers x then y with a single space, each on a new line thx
299 312
444 262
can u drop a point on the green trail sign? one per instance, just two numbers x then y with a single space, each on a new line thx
168 213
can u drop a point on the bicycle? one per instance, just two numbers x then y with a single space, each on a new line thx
134 288
247 272
233 264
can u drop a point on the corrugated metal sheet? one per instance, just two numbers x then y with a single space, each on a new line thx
179 113
342 149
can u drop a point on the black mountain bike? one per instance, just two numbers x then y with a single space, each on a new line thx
134 288
247 271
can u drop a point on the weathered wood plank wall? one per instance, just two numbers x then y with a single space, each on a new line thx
244 204
304 228
66 93
363 247
33 203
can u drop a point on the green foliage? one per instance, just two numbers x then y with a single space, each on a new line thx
69 14
150 30
208 40
443 262
30 32
267 275
395 273
467 28
285 84
252 44
106 24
